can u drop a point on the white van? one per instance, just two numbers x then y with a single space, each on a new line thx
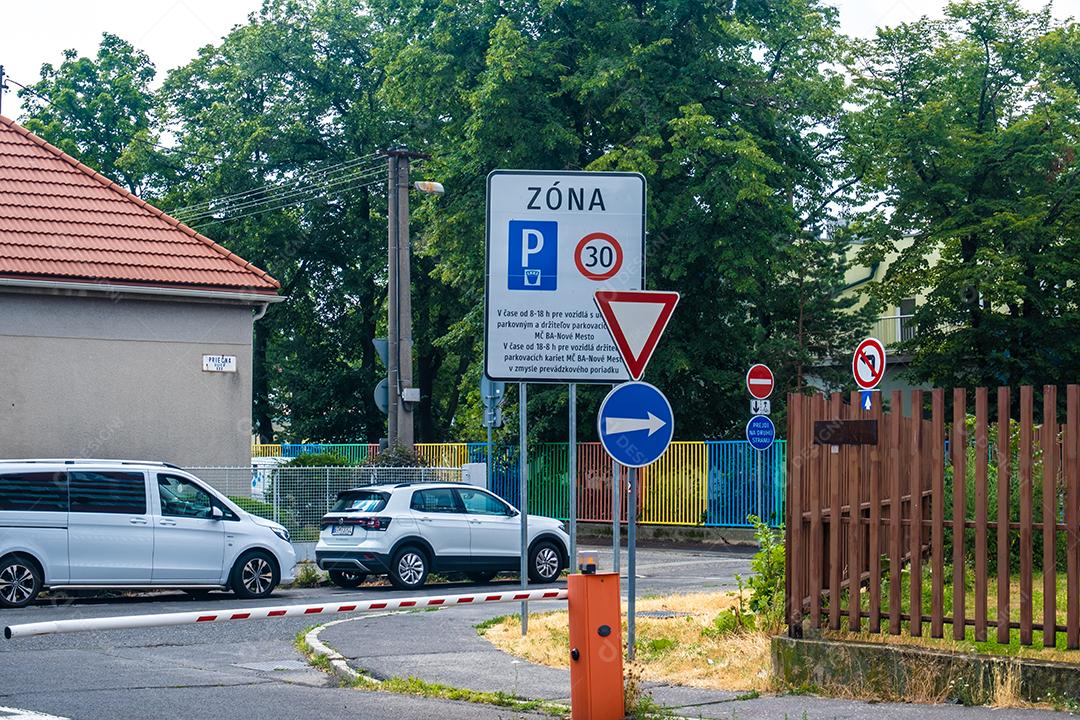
129 524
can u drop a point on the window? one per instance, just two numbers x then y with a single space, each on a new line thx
478 502
360 501
436 500
182 498
34 492
907 317
107 492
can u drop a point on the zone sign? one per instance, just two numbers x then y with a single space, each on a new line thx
553 240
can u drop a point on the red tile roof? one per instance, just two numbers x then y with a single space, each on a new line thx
61 220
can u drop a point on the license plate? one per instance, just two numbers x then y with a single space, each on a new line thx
342 530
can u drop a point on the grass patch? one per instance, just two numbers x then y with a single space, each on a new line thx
422 688
316 660
693 648
484 625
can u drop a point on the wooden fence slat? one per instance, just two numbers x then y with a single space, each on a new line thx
1003 455
815 549
915 488
982 452
874 552
1026 432
794 524
854 528
958 445
836 525
895 416
937 509
1072 516
1049 515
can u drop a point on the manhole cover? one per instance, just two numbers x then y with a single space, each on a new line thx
663 614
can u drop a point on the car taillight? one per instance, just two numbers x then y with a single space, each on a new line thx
374 523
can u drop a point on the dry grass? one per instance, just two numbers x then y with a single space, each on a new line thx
682 650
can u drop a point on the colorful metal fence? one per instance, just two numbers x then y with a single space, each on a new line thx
353 452
714 483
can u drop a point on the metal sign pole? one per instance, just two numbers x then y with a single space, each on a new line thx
760 489
616 498
523 453
572 472
488 471
631 562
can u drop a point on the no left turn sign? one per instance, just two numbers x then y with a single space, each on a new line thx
868 363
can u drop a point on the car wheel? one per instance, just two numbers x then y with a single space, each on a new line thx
20 582
545 562
347 578
255 575
481 577
409 569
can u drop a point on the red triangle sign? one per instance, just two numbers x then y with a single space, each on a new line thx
636 319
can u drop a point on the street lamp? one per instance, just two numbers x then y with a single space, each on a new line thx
399 303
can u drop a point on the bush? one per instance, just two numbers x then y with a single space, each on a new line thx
767 582
731 622
255 507
322 459
396 456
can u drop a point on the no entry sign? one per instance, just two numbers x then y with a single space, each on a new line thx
759 381
868 363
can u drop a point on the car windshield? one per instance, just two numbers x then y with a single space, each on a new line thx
360 501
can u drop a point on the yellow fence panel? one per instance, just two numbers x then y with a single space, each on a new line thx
675 487
443 454
266 450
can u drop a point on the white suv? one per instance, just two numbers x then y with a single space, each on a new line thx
129 524
406 531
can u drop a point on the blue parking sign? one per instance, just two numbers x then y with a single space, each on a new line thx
534 255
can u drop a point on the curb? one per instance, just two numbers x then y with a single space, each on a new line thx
339 664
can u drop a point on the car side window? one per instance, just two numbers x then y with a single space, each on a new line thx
435 500
34 491
478 502
107 492
182 498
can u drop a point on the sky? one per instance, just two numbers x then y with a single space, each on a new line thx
172 31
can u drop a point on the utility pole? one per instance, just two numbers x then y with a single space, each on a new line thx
3 87
399 303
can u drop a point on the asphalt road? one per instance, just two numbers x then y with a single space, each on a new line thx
245 668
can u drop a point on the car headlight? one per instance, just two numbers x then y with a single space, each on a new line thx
281 533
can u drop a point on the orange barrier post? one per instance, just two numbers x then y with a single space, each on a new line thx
596 669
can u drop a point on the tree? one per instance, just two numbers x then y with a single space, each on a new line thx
968 129
100 110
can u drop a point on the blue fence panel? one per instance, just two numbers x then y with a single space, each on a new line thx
744 482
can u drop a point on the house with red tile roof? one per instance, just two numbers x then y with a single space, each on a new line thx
123 332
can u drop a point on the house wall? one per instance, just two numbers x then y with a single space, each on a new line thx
123 378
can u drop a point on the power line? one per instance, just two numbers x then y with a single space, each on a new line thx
259 211
326 173
287 193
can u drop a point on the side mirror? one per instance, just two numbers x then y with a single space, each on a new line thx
216 513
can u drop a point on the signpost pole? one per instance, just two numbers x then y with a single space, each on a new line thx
488 472
523 457
616 497
760 489
631 562
571 463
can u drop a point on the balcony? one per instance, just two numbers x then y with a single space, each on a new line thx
893 329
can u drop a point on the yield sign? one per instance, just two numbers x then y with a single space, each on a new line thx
636 319
868 363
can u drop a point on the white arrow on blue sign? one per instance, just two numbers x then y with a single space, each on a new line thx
760 432
636 424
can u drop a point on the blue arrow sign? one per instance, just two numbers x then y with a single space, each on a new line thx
760 432
866 399
636 424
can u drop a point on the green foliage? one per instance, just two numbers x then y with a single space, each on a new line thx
307 575
967 134
767 582
397 456
320 459
731 622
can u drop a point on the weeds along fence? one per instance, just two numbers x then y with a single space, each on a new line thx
298 497
713 483
944 518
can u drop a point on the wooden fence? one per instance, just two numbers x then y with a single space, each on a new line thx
896 530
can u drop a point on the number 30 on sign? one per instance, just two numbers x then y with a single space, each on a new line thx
598 256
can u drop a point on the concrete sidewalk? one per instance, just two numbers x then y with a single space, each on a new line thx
442 646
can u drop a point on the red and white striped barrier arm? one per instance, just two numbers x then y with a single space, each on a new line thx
124 622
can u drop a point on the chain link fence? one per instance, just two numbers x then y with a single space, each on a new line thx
298 497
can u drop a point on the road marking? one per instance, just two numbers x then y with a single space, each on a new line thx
9 713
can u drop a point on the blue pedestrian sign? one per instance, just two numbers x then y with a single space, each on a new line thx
760 432
866 399
636 424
